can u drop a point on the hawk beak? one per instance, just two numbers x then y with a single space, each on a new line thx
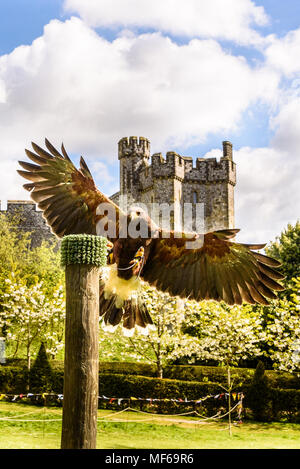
109 245
140 253
138 256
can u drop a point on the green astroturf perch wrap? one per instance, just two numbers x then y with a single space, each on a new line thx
84 249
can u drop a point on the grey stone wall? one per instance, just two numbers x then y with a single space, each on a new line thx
30 220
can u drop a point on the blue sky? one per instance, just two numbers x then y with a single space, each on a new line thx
22 21
183 77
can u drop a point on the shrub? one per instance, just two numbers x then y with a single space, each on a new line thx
259 395
41 375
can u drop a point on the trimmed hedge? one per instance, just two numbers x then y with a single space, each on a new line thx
13 379
128 386
118 385
216 374
285 402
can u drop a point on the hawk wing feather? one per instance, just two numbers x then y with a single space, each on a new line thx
219 270
67 196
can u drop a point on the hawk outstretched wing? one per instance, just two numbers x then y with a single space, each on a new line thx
67 196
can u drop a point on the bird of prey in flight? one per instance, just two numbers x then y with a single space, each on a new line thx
219 269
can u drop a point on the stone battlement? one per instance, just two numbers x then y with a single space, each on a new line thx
14 204
182 167
134 147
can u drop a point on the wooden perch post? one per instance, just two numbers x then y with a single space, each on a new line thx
82 256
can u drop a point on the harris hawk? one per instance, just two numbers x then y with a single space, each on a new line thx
216 269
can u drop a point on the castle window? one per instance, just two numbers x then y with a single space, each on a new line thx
180 161
195 197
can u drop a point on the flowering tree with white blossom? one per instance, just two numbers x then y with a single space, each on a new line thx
282 328
31 317
162 341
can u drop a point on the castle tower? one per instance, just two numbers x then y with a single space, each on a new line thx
219 198
176 181
134 156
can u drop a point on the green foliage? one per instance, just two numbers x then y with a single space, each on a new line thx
282 330
41 375
259 395
226 334
286 248
13 247
31 265
43 264
84 249
128 368
155 346
286 404
215 374
119 385
13 379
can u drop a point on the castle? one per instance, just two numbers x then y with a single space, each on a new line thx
175 180
146 179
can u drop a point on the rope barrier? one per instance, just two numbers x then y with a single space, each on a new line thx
14 416
157 416
34 420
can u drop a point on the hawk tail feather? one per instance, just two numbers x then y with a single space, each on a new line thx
131 311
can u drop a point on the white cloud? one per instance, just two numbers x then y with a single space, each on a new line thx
267 195
287 126
224 19
2 92
73 85
11 183
283 53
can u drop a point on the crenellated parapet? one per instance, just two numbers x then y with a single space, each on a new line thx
206 170
210 170
172 166
134 146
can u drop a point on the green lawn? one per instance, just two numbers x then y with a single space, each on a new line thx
135 430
